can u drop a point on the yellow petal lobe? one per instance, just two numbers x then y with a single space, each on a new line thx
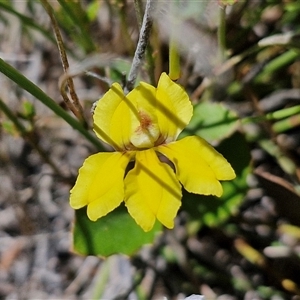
112 118
100 183
152 191
174 109
199 167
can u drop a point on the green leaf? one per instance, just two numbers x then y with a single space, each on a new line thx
212 121
35 91
115 233
211 210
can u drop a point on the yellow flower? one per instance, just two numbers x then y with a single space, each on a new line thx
143 126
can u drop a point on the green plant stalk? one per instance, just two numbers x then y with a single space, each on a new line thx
273 116
174 57
29 138
174 60
286 124
34 90
276 64
222 33
283 113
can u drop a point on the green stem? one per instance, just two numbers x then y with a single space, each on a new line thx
276 64
174 60
286 124
174 57
283 113
34 90
276 115
222 34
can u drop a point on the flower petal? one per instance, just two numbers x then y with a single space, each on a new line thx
100 183
145 129
152 191
199 167
174 109
112 118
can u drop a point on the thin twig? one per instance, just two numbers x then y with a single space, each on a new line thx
141 46
75 107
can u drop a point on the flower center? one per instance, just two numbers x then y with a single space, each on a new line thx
146 133
145 122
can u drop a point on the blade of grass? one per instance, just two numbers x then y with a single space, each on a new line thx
284 113
34 90
26 21
276 64
287 124
293 111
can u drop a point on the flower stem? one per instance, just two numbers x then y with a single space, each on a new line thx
141 46
174 60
